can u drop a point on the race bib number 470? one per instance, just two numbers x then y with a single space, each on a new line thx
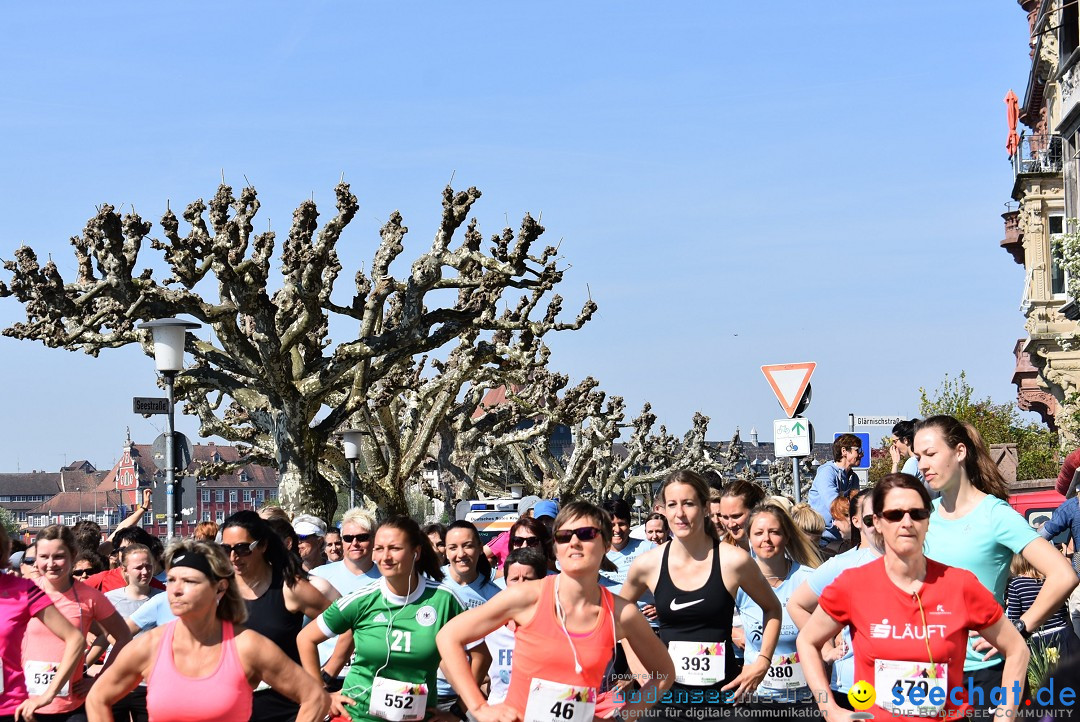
918 689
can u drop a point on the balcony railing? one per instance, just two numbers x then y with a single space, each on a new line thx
1038 154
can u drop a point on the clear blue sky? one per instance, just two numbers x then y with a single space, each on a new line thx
737 183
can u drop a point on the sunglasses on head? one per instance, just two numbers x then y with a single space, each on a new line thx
895 515
350 538
82 572
241 550
585 533
529 541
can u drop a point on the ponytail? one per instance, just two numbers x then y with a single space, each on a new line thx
981 470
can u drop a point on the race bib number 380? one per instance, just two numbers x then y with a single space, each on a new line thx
398 701
697 664
555 702
905 687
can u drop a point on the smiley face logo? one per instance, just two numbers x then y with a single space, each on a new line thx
861 695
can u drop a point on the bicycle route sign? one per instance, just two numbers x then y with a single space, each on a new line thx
792 437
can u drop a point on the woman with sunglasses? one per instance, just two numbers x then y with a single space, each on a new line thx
533 534
277 594
567 627
694 579
974 528
20 602
82 606
393 623
28 565
910 617
468 574
354 572
203 665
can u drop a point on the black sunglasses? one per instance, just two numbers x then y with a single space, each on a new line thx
29 562
895 515
350 538
868 520
82 572
585 533
529 541
240 550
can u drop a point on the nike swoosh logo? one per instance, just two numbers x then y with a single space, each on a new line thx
675 606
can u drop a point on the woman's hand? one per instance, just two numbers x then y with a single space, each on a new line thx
749 679
338 703
25 711
894 452
981 645
495 713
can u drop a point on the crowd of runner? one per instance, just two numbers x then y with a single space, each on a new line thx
731 603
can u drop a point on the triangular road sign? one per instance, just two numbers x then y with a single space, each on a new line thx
789 382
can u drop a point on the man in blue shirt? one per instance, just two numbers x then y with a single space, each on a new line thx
1067 518
835 478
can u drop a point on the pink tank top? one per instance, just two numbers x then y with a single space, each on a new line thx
223 694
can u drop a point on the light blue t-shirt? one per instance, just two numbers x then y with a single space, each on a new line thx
155 613
343 580
982 541
471 595
753 626
622 559
843 669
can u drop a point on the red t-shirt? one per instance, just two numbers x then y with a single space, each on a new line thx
886 623
111 579
1067 470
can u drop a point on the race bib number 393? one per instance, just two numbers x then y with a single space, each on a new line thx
556 702
398 701
697 664
905 687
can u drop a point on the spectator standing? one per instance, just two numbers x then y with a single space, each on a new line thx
333 546
836 478
310 531
1067 517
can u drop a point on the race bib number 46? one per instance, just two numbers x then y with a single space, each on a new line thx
39 675
555 702
918 689
697 664
398 701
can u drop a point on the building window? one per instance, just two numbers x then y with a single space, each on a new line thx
220 516
205 495
219 495
272 493
260 495
232 496
1070 30
1058 277
247 494
206 516
147 519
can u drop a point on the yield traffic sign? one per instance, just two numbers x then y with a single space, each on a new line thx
789 382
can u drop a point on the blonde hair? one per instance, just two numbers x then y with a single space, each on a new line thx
1021 567
231 608
781 501
797 545
274 512
356 515
807 519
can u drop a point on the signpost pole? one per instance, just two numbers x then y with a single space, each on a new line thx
851 423
170 461
795 478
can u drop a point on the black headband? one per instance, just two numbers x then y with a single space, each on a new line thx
196 561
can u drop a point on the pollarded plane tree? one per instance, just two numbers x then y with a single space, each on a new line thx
270 379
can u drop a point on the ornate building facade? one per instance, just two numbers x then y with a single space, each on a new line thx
1047 374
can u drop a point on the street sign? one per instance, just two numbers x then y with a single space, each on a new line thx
148 405
792 437
181 451
865 438
878 420
789 383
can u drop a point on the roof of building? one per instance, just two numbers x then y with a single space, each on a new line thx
146 465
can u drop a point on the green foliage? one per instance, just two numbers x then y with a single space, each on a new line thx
881 463
7 521
1036 446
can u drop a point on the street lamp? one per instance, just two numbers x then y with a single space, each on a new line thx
351 439
170 335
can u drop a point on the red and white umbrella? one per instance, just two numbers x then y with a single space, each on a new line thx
1012 114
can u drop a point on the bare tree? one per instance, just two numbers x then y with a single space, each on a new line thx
270 378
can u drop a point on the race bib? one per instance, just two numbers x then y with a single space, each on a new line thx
697 664
555 702
39 675
785 674
897 680
398 701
